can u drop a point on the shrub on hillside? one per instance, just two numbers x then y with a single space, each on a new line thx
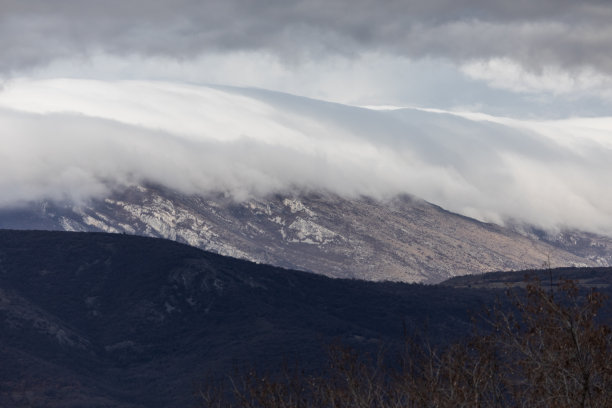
550 350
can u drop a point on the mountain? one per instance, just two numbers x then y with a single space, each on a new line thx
311 164
586 278
112 320
401 239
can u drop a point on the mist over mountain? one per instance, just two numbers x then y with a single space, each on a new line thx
403 141
81 139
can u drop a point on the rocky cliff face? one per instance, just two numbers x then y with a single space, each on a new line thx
402 239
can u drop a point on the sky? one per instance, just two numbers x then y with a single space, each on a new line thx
494 109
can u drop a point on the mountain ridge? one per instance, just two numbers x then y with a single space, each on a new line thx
400 239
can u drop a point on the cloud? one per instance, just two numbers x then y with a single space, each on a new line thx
506 74
549 58
78 139
568 34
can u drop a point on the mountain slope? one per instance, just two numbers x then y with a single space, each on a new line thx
97 320
403 239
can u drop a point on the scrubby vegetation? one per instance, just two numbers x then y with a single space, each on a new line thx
102 320
550 350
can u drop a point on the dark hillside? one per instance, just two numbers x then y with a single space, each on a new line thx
600 278
93 320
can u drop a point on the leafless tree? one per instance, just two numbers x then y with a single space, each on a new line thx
549 350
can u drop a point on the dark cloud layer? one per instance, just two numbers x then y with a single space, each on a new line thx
569 34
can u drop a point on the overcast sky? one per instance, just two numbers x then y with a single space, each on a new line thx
175 79
520 57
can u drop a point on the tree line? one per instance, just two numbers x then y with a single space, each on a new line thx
550 349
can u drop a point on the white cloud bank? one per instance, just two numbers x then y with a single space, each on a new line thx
504 73
77 139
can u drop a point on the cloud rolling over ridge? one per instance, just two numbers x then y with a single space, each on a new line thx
77 139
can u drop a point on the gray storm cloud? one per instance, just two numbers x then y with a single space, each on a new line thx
78 139
536 34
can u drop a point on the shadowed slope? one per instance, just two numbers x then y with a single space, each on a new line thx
99 317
